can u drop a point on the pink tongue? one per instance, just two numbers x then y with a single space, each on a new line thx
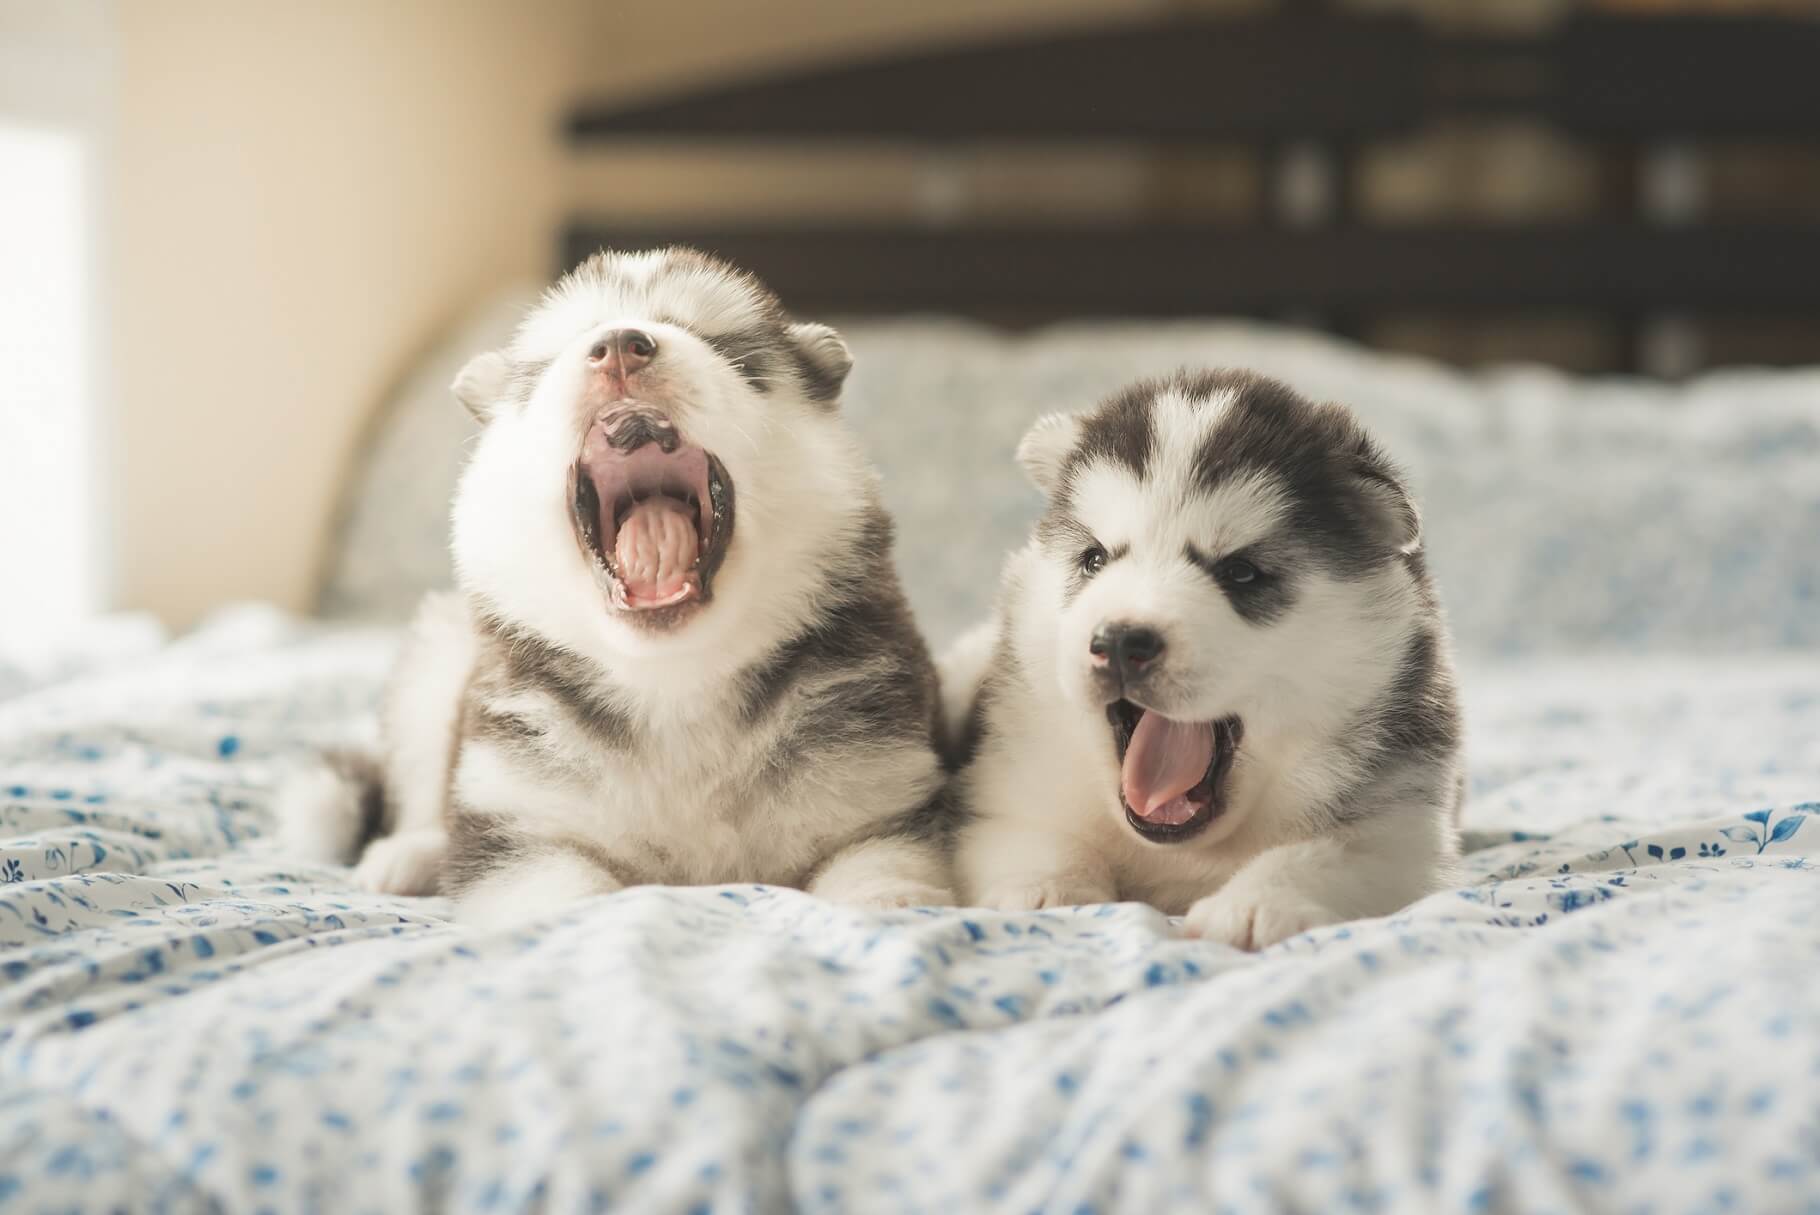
655 550
1164 761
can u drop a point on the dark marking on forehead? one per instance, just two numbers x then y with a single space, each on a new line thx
1267 426
1121 431
680 260
1318 455
757 354
1058 530
760 347
1064 538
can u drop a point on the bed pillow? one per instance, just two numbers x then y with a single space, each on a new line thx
1560 513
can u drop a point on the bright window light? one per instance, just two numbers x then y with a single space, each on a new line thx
49 516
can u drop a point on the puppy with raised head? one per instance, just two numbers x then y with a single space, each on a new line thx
679 652
1218 680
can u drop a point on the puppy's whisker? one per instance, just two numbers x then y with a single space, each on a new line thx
751 443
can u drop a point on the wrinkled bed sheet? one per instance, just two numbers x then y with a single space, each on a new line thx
1617 1011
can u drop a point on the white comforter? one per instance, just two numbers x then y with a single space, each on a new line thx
1618 1012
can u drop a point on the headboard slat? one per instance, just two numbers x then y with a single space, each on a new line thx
1049 273
1181 80
1287 76
1303 86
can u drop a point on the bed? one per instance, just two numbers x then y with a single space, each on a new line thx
1613 1010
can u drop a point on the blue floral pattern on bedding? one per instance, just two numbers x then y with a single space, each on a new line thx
1614 1010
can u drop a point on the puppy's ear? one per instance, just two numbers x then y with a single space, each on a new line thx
1046 446
481 385
1390 513
823 359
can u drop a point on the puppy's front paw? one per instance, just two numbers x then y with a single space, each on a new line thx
407 863
886 875
1049 892
1247 917
887 894
878 888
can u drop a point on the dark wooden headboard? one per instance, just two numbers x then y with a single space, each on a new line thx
1277 84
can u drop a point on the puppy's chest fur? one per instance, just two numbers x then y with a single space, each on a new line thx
1056 769
757 780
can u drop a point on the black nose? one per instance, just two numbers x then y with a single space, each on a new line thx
1125 649
627 349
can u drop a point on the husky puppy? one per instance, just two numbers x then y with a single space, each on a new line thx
679 652
1218 680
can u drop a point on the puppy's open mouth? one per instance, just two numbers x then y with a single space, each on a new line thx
1172 774
653 513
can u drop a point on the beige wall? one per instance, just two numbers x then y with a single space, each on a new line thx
304 193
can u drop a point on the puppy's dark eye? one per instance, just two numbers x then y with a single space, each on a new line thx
1092 560
1235 571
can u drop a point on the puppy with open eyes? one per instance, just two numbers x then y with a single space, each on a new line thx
678 652
1218 679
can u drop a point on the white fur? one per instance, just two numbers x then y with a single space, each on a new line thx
704 795
961 668
409 862
1048 825
481 384
1361 871
800 486
1026 860
675 796
885 874
533 889
319 811
318 814
824 347
421 721
710 300
797 474
1044 449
